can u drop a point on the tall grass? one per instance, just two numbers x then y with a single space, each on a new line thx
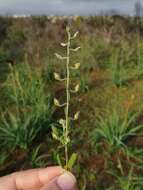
116 128
30 108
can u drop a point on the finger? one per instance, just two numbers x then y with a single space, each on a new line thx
31 179
36 178
66 181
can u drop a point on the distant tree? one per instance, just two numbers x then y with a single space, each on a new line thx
110 12
5 23
138 9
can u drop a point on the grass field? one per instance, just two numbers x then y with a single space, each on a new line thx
108 136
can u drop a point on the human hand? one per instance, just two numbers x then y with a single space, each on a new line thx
51 178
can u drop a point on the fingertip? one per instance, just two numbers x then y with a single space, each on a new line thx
47 174
36 177
65 181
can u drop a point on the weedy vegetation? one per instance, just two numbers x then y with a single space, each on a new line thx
102 81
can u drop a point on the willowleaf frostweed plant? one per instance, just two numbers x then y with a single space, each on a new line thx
64 138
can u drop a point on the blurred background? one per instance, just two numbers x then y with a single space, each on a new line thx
108 136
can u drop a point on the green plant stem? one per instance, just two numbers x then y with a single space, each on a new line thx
68 99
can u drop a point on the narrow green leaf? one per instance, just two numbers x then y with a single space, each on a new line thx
58 160
72 160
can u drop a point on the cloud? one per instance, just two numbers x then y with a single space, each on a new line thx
65 6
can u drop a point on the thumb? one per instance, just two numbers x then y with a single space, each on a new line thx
66 181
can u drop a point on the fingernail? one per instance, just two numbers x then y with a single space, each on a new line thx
66 181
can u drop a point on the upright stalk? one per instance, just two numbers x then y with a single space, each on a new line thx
68 98
64 138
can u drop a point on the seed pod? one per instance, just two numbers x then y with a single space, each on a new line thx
55 134
62 122
76 49
75 35
77 65
57 76
56 102
63 44
77 88
58 56
76 116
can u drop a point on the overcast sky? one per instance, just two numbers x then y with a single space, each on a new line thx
65 7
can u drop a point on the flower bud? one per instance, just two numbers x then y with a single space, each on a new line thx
63 44
76 116
77 65
62 122
58 56
56 102
77 88
75 35
57 76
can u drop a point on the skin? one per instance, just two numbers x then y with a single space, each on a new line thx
30 180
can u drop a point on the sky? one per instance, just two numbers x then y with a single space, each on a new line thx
66 7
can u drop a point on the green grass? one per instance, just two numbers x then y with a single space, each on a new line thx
115 129
108 136
30 107
16 131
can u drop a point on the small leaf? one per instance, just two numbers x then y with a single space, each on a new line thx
58 56
56 102
72 161
76 116
63 44
75 35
